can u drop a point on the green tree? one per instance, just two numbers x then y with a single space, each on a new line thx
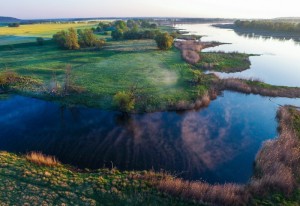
164 41
153 26
87 38
125 101
72 40
117 34
121 25
60 38
67 39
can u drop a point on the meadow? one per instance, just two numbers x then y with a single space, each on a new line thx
161 76
29 33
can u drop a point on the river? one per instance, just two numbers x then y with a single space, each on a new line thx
216 144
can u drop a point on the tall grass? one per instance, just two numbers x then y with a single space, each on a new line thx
278 162
257 87
41 159
227 194
190 49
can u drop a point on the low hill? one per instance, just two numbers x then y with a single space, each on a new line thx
4 19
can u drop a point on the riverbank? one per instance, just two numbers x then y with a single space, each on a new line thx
275 179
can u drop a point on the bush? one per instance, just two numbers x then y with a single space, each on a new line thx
99 43
67 39
125 101
117 34
164 41
14 25
40 41
87 38
8 78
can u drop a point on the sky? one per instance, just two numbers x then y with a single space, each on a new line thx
33 9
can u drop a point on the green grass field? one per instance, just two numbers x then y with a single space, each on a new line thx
161 76
224 62
42 30
28 33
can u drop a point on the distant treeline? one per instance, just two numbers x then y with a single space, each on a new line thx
278 26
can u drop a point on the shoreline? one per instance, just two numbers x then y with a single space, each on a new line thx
117 187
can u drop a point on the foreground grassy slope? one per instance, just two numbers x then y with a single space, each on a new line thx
23 182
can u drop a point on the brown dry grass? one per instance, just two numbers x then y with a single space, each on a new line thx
227 194
278 162
41 159
256 87
190 49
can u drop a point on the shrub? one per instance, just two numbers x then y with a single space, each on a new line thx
164 41
60 38
14 25
7 78
125 101
72 40
67 39
41 159
40 41
87 38
117 34
99 43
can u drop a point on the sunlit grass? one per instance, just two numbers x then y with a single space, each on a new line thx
42 30
41 159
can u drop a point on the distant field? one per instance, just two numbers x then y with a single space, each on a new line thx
41 30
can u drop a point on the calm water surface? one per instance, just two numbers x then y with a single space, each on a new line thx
279 63
217 144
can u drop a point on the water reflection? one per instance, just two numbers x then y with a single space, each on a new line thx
279 63
267 35
217 144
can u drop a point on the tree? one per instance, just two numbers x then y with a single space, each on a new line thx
125 101
60 38
117 34
72 40
153 26
131 23
121 25
87 38
67 39
145 24
164 41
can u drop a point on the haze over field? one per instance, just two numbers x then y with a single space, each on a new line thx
31 9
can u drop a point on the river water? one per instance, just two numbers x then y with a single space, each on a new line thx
279 60
216 144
